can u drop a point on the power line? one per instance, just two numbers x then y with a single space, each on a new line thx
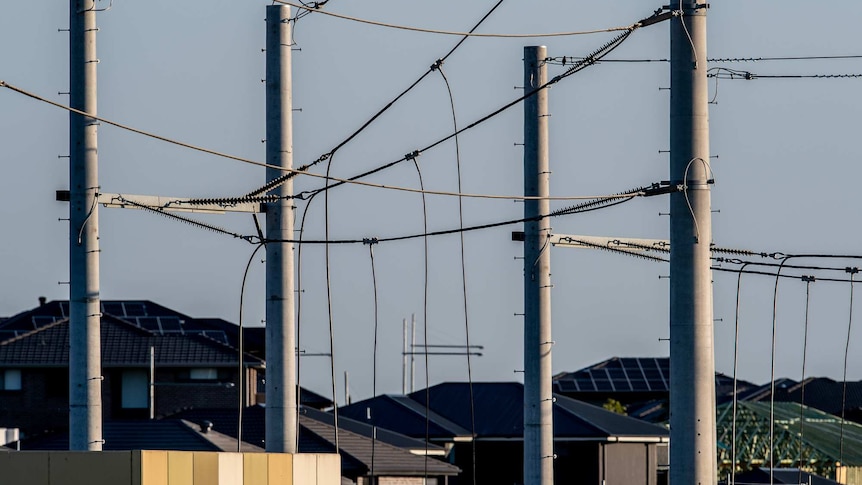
465 34
735 74
563 60
278 181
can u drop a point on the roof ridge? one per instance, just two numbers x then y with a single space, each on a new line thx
35 331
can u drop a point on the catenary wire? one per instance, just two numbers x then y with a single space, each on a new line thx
241 378
466 34
280 180
852 272
374 352
808 280
463 277
256 197
299 294
329 308
425 319
735 380
590 60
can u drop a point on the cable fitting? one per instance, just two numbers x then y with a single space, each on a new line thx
852 270
370 241
412 155
437 65
808 279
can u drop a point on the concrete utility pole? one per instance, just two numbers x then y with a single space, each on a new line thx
692 362
85 369
538 395
281 404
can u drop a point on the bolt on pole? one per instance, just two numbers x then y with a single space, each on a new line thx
692 361
281 389
85 369
538 395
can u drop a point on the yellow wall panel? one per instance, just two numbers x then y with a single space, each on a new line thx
280 469
254 469
181 468
328 469
230 468
153 467
205 468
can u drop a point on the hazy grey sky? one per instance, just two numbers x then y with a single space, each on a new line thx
786 176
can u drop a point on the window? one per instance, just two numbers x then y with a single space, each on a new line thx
203 374
11 380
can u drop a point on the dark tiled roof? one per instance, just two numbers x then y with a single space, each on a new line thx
144 314
499 413
820 393
133 435
405 416
316 435
123 344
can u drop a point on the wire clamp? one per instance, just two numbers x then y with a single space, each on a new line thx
437 65
370 241
808 279
412 155
852 270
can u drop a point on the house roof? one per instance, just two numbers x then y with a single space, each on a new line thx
144 314
405 416
630 375
123 344
499 414
171 434
317 434
781 475
822 393
826 438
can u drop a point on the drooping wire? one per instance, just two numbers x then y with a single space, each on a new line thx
241 378
852 272
299 293
772 374
425 320
735 381
371 244
463 276
808 280
466 34
588 61
280 180
329 308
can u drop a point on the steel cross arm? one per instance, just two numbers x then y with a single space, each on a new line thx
173 204
628 244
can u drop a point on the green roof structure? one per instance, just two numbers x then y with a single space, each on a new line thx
802 437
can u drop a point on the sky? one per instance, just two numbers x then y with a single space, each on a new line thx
786 174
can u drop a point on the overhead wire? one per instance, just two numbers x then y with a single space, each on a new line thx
735 380
241 376
463 276
465 34
589 60
304 169
852 272
374 352
808 280
329 308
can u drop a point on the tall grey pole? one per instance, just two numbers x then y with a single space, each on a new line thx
85 370
692 364
281 404
538 397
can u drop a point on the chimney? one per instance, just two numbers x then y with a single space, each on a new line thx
42 300
206 426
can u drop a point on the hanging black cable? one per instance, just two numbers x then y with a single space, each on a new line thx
241 365
735 368
371 244
463 274
808 280
326 156
852 272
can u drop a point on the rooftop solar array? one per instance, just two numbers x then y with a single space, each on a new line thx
619 375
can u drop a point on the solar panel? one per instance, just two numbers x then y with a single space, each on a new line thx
171 324
113 308
135 309
149 323
64 308
217 335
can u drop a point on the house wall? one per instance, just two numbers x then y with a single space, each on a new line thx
629 463
42 404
